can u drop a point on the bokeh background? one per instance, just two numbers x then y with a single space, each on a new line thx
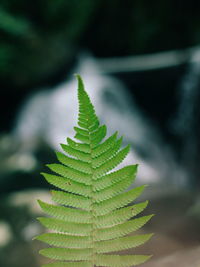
140 61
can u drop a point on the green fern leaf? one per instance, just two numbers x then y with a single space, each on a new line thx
68 241
65 213
120 261
69 264
115 177
68 184
67 254
82 229
113 190
98 161
120 215
70 173
85 157
98 136
122 243
120 229
118 201
78 146
111 163
103 147
75 201
94 211
74 163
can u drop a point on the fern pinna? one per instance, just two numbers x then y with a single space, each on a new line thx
94 215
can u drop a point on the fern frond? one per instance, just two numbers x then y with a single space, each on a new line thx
69 264
70 173
82 229
121 229
120 261
68 184
65 213
103 147
82 131
111 163
67 254
78 146
121 243
94 211
74 163
108 154
114 177
71 200
120 215
63 240
98 136
118 201
82 138
113 190
85 157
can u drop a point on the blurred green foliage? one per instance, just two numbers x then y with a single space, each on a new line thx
39 37
140 26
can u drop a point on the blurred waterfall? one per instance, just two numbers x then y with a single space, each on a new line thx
186 124
50 116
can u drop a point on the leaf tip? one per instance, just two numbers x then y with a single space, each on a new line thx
80 81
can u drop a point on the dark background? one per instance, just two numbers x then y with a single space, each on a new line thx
40 40
40 43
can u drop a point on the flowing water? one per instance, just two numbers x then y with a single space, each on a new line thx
51 114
